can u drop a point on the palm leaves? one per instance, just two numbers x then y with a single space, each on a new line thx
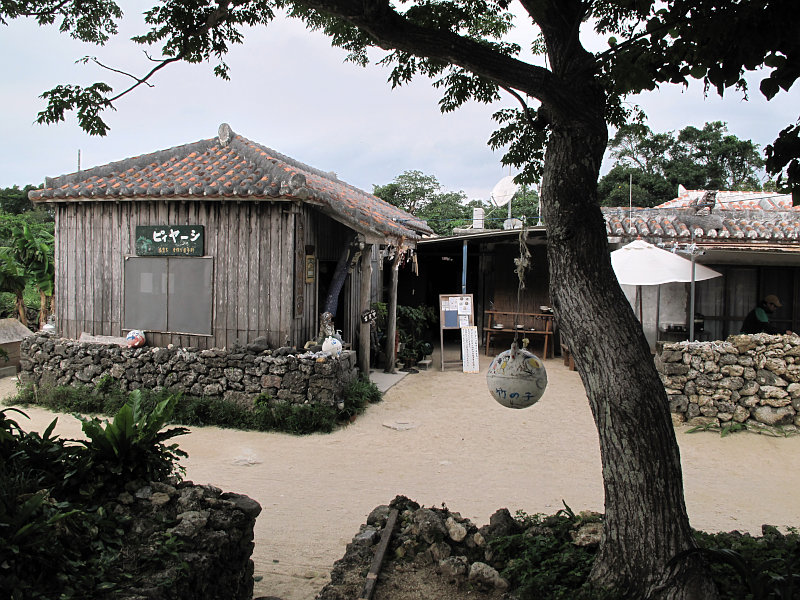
28 259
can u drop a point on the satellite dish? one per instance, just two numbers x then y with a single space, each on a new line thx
504 190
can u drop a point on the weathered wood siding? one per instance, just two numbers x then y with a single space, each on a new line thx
255 247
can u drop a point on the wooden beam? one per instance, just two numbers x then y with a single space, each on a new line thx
364 328
375 567
391 317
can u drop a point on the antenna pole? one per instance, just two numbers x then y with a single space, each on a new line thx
79 159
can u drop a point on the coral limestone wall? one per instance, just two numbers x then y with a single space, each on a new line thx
233 374
750 379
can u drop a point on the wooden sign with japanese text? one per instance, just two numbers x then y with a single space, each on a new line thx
170 240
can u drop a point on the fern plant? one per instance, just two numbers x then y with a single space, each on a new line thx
133 446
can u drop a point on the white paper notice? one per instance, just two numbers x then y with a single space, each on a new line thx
469 349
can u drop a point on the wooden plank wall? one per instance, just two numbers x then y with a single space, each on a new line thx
253 246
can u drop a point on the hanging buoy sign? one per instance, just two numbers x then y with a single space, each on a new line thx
516 378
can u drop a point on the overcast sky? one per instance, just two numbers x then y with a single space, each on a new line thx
292 92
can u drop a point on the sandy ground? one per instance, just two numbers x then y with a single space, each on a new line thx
453 444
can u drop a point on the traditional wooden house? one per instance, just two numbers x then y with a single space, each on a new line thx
214 243
752 238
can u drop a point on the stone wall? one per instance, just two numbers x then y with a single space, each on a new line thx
749 379
214 533
236 375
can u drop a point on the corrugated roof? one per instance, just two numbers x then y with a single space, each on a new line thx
231 167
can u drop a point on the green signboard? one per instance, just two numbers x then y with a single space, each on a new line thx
170 240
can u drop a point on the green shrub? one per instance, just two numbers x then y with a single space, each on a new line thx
52 544
542 562
264 415
132 446
357 396
744 566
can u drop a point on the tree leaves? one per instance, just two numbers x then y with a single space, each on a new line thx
89 102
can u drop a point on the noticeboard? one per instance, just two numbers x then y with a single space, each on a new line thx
456 311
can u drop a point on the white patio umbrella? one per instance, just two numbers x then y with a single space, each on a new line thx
640 263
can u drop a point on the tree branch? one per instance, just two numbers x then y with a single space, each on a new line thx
392 31
113 70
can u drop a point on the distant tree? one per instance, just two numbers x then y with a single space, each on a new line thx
624 185
447 211
711 159
15 200
649 166
422 196
411 191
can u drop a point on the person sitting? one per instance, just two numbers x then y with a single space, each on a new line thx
757 320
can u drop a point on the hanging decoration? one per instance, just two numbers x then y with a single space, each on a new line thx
517 377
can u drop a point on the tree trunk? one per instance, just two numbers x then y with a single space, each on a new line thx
646 523
42 309
337 282
23 318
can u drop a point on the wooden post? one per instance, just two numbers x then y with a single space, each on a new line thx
364 328
391 317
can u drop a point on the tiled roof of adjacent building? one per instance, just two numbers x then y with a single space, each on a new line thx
732 200
733 225
231 167
722 217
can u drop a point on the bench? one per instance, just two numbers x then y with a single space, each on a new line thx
529 325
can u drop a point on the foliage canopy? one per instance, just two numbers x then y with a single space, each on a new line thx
650 166
462 46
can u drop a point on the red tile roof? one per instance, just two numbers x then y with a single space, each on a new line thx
231 167
735 200
779 226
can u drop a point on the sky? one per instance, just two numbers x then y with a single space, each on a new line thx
292 92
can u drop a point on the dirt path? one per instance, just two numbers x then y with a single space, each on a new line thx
452 443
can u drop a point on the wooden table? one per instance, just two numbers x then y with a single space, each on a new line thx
531 325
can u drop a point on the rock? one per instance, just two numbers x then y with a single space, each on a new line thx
455 530
429 525
741 414
587 535
368 536
159 499
774 416
501 524
765 377
379 516
258 345
438 552
702 421
486 578
454 569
